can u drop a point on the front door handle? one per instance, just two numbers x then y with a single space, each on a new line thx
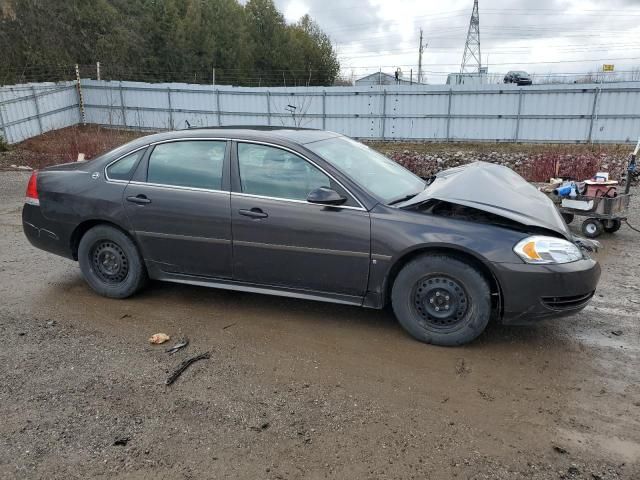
139 199
253 213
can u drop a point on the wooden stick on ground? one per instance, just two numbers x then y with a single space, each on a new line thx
183 366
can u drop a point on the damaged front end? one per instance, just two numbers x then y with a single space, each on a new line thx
492 194
549 272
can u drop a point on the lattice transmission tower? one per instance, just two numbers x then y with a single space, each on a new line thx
471 58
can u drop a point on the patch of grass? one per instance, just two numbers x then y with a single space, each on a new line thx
4 146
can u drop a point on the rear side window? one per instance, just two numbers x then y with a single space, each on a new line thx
123 168
196 164
273 172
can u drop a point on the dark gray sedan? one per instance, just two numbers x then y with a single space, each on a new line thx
314 215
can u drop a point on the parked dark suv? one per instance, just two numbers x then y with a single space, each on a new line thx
314 215
518 77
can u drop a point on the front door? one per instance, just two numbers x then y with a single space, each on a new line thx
281 239
181 213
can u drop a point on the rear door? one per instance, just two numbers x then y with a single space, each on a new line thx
179 207
281 239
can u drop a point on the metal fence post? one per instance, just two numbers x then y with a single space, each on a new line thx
517 135
170 108
324 109
268 107
449 115
37 107
218 106
83 117
593 114
122 107
2 126
384 113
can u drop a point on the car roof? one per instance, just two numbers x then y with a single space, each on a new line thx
260 133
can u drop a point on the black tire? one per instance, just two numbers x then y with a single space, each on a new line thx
424 282
612 226
592 228
568 217
110 262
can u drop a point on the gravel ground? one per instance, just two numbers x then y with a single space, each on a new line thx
297 389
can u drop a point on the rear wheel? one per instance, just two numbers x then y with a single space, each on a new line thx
612 226
110 262
441 300
568 217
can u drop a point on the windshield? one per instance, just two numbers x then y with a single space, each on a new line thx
372 171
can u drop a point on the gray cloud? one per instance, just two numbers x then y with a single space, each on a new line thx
511 32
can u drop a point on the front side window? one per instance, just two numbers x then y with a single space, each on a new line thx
273 172
123 168
196 164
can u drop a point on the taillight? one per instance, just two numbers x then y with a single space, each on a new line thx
32 190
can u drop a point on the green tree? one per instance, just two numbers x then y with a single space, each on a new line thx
163 40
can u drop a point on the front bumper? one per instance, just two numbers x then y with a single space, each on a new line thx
534 292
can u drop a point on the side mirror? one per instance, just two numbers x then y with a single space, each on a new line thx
325 196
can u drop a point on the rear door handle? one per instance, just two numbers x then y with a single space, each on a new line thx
253 213
139 199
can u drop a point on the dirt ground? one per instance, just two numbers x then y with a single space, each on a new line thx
297 389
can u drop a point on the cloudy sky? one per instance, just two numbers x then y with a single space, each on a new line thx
542 37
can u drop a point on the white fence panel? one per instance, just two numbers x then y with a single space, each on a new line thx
28 110
503 113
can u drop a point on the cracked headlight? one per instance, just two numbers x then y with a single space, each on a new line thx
547 250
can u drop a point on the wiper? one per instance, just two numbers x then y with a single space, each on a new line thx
403 199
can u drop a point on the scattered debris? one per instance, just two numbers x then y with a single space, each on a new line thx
184 365
183 342
617 333
561 450
159 338
573 470
121 441
228 326
486 396
461 367
262 427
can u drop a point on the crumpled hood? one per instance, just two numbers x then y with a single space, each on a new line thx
494 189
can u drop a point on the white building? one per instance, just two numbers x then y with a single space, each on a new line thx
381 78
467 78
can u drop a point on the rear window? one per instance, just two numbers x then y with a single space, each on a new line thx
123 168
196 164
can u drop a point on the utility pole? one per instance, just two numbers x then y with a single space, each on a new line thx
420 50
471 58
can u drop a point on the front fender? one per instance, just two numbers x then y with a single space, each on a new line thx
397 235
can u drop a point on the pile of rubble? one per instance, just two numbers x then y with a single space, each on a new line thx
533 166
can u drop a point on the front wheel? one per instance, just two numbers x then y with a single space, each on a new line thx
110 262
592 228
441 300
